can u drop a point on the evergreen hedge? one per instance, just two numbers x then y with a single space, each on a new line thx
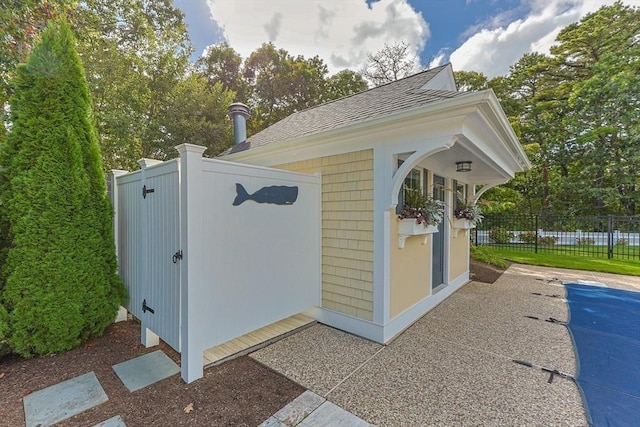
60 285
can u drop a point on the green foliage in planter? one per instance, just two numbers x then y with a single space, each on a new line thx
59 275
527 237
424 209
470 212
500 235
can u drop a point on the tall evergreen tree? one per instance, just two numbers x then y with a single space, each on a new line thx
59 282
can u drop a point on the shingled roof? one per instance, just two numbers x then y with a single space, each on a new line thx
374 103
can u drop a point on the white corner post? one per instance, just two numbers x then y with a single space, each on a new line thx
113 193
192 272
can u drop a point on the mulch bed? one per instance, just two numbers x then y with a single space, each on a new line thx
240 392
483 272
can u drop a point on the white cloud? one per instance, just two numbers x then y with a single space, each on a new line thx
439 59
341 32
492 50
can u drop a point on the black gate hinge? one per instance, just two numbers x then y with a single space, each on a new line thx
146 308
146 190
177 256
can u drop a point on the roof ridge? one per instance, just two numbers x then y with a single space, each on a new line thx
372 88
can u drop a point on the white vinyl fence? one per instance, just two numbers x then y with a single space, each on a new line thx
568 237
210 250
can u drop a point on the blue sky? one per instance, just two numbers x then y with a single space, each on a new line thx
479 35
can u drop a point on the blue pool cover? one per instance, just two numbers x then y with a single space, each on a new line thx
605 327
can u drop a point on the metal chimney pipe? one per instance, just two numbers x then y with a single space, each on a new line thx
239 113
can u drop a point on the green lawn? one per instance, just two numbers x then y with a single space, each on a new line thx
619 251
576 262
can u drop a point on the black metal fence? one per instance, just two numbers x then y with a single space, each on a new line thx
596 236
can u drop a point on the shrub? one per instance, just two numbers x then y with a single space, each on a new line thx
486 254
500 235
548 240
527 237
60 282
4 332
585 241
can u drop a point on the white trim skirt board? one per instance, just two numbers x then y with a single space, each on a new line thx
385 333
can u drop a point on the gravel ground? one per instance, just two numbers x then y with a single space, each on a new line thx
454 366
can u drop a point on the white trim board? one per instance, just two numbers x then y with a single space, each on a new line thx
383 334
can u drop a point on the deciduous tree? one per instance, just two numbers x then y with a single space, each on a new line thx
344 83
391 63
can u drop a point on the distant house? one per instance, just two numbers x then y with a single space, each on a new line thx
368 147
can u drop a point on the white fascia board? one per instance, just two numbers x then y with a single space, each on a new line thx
496 117
356 137
480 141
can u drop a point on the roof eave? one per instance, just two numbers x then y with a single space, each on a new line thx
442 109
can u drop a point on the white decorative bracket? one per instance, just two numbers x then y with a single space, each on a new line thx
461 224
409 227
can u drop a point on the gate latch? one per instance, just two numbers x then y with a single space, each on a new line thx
146 308
146 190
177 256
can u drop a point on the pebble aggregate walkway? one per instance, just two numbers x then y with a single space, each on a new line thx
455 366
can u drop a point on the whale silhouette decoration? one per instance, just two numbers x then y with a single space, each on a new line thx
276 194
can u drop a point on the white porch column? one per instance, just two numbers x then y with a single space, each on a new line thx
192 264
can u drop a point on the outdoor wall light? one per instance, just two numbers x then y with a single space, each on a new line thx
463 166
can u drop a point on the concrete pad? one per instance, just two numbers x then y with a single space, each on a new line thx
64 400
300 408
145 370
332 415
455 365
318 358
493 318
591 283
572 276
439 383
112 422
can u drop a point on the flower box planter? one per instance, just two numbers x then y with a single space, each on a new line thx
462 224
409 227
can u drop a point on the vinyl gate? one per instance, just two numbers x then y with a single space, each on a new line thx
210 250
150 205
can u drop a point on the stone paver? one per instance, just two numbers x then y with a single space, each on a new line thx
145 370
63 400
300 408
311 410
329 414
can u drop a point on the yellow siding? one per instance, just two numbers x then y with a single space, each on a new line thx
347 230
459 262
410 271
